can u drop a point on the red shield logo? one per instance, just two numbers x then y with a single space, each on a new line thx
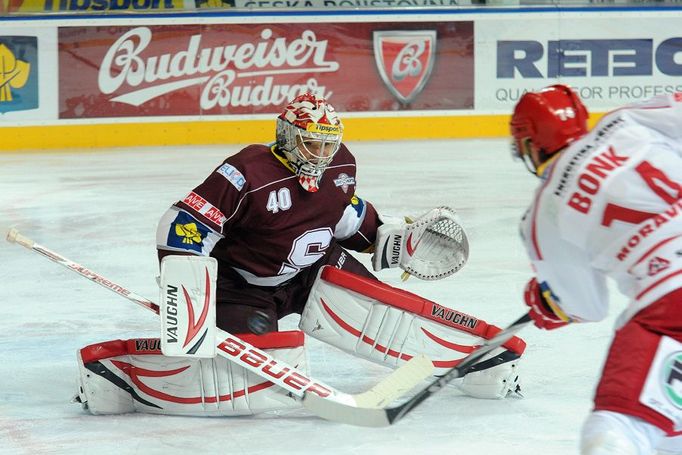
404 60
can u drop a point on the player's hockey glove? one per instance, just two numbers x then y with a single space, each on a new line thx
544 311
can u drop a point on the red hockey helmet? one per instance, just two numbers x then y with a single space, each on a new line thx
550 119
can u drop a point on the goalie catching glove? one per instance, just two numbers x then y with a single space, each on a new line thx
430 247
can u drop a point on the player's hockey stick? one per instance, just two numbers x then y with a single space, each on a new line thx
381 417
255 360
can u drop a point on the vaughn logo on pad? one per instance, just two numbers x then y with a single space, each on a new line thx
188 286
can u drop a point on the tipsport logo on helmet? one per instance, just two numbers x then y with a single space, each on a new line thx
323 128
136 75
404 60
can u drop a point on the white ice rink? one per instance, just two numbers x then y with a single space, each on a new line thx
100 209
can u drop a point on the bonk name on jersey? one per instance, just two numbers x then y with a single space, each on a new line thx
589 181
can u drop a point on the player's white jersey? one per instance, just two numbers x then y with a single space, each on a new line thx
610 205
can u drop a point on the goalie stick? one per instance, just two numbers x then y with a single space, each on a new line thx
257 361
372 416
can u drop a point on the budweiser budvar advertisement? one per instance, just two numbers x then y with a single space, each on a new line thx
241 69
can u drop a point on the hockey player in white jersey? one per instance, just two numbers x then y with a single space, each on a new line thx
610 205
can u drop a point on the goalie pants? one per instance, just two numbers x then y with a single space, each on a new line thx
631 357
238 302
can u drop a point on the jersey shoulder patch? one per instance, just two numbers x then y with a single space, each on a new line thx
344 181
233 175
187 233
358 205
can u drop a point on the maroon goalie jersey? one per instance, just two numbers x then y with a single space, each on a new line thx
252 215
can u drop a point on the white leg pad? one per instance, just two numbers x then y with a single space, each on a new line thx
389 326
608 433
123 376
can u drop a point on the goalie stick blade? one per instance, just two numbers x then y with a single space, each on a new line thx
350 415
396 413
370 416
369 410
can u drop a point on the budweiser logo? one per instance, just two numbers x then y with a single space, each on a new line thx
126 68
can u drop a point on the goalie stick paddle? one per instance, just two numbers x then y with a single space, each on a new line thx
373 416
255 360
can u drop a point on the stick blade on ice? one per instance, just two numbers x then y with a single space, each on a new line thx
369 410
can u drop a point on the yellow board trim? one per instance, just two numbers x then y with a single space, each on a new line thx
243 132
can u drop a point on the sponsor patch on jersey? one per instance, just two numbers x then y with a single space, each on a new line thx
662 389
202 206
344 181
232 175
358 204
187 233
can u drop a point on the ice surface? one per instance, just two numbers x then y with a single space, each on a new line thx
100 209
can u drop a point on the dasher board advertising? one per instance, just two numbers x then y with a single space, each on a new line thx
238 69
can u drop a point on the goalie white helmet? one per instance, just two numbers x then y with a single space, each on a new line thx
309 133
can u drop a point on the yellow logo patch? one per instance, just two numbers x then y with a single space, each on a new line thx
188 232
323 128
13 73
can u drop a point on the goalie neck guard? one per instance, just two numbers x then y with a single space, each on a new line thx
309 134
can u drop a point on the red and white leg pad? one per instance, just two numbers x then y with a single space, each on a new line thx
123 376
375 321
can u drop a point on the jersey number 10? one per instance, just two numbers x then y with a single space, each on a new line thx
655 179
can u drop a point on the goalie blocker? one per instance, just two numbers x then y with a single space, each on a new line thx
389 326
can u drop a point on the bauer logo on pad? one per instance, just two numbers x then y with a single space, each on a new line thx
405 60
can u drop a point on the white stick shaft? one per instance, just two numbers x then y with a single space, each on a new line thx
229 346
13 236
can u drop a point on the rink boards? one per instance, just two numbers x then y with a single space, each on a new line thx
77 81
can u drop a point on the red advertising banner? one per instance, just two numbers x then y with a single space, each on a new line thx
235 69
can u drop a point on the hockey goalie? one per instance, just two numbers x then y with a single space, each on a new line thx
268 234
